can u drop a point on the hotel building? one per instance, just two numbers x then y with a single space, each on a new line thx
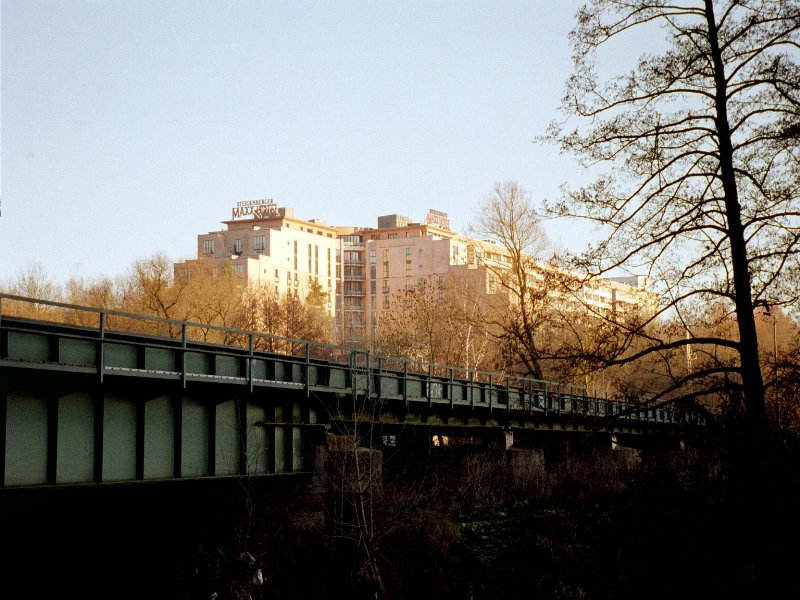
361 268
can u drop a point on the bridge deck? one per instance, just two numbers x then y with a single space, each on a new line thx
95 403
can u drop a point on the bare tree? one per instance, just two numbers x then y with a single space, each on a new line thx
440 321
149 290
32 282
265 309
507 218
213 295
102 292
703 189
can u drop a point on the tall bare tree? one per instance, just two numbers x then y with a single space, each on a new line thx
702 141
507 217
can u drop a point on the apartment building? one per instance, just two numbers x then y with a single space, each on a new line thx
362 268
273 248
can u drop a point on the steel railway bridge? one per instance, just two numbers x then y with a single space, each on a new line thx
91 396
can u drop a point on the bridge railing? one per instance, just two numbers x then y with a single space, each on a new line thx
369 373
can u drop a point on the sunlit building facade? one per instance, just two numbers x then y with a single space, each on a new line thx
362 268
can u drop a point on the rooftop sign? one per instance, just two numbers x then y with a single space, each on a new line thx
438 218
258 209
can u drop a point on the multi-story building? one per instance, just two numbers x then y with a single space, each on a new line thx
275 249
361 268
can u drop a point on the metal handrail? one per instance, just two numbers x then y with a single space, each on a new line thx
341 354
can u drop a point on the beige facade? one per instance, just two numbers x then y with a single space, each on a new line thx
279 251
361 268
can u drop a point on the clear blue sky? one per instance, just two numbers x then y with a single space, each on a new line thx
131 126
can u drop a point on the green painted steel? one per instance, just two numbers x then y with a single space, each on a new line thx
297 456
159 359
159 438
30 347
197 362
414 387
119 439
122 356
138 438
76 452
194 444
229 366
26 441
259 369
77 352
257 443
279 446
227 449
337 378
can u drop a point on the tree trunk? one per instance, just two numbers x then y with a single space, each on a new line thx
752 382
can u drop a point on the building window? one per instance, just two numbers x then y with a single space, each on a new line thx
238 268
373 256
353 272
385 286
316 260
258 243
372 271
408 253
409 284
392 236
385 302
354 303
373 287
208 246
353 288
237 247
